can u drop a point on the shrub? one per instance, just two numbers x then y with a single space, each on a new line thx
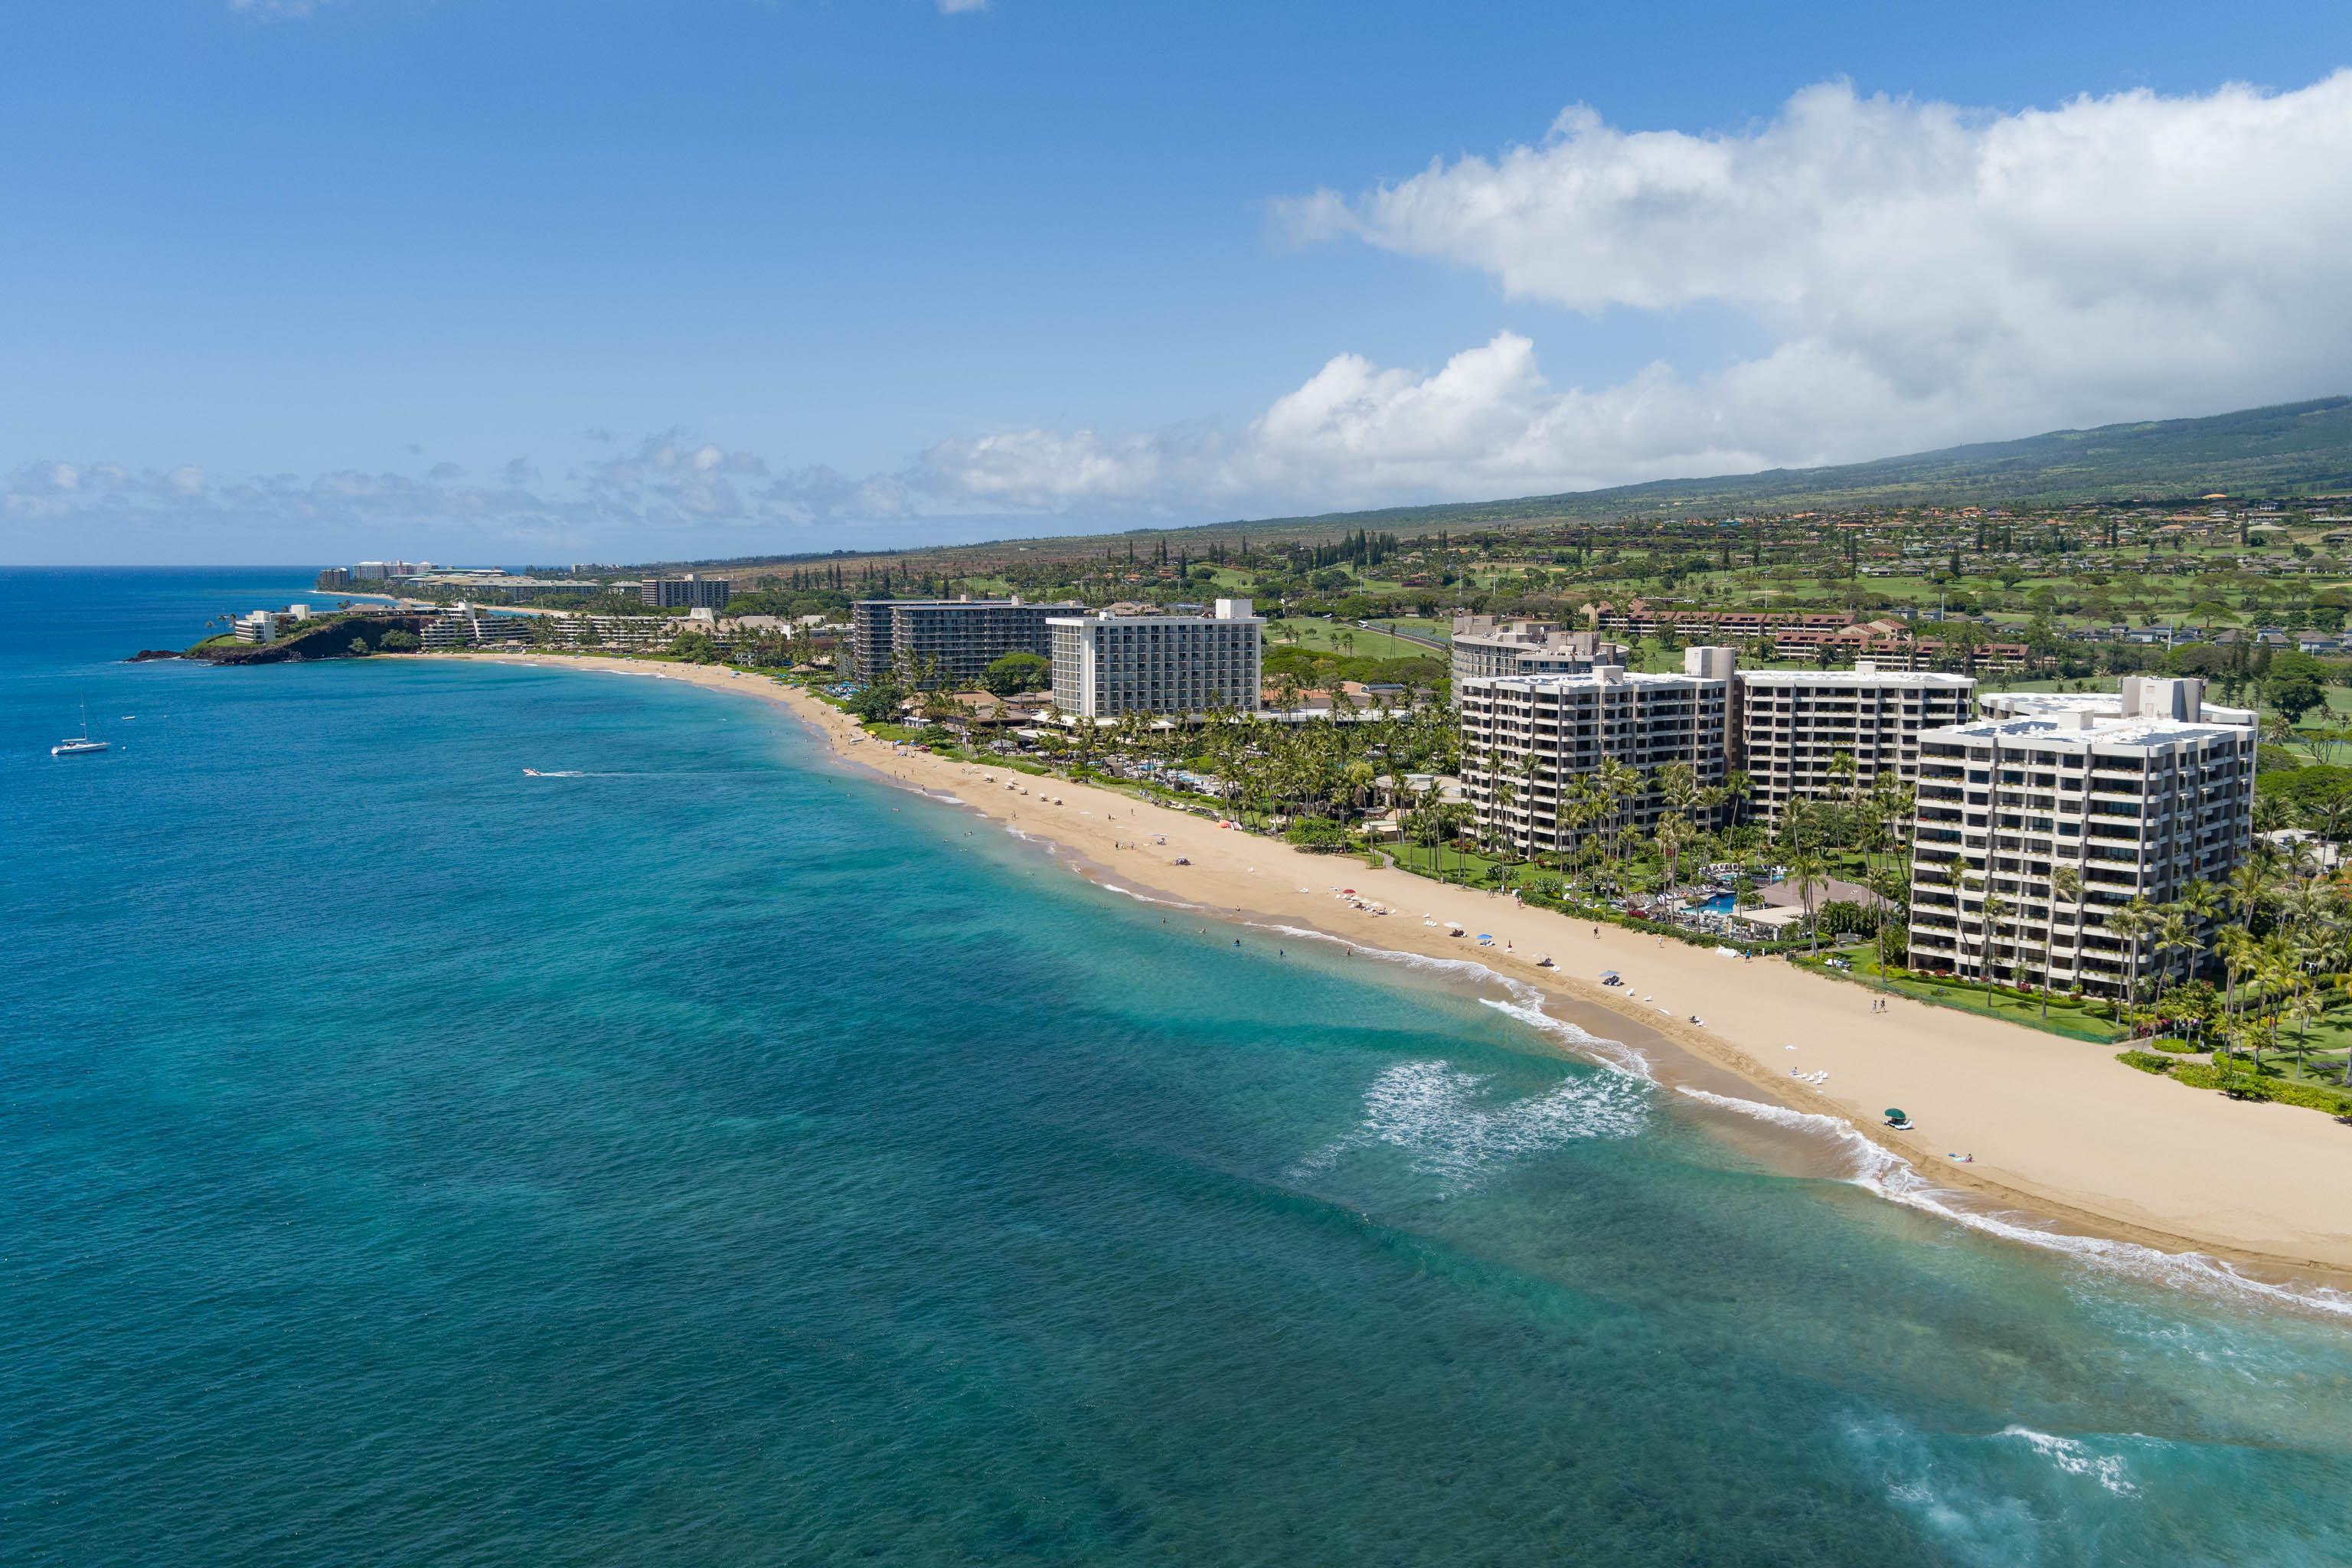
1318 835
400 641
2146 1061
1844 917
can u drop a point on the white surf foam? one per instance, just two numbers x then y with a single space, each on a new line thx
2075 1458
1889 1175
1444 1118
1525 1002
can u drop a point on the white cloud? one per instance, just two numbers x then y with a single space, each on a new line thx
960 7
1925 274
1929 274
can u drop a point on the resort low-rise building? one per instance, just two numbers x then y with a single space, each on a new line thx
1105 665
1792 726
2138 798
470 626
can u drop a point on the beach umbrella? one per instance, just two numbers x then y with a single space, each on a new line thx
1895 1113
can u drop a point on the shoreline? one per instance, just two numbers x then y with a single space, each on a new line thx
2070 1146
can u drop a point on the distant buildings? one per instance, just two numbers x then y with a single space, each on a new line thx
267 625
1483 647
467 626
689 592
1106 665
2138 795
936 642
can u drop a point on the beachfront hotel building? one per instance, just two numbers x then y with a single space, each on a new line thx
1483 647
949 642
1106 665
689 592
2141 794
1789 723
1538 734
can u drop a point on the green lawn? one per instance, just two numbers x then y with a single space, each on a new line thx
1336 636
1445 864
2067 1015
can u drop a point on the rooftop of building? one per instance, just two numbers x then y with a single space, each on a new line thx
2085 732
1016 603
1607 675
2099 704
1858 676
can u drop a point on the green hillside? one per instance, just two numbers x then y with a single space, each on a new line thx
2292 448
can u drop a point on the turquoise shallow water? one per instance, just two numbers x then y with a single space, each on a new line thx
720 1159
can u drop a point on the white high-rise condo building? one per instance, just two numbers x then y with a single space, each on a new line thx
2139 795
1105 666
1791 725
1525 738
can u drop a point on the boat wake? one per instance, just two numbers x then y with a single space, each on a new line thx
1885 1173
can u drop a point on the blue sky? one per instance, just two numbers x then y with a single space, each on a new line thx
495 279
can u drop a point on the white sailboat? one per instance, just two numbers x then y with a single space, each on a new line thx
75 746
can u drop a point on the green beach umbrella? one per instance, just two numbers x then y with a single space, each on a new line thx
1895 1113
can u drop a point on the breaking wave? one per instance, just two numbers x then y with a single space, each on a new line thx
1887 1174
1448 1121
2075 1458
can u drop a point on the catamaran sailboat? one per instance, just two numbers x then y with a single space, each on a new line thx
75 745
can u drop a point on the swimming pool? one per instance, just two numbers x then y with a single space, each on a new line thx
1721 904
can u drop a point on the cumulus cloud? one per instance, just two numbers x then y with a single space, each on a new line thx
1928 273
1924 275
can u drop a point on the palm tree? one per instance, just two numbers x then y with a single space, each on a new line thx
2175 932
1737 787
2241 956
1673 834
2127 925
1844 773
1891 888
1809 868
2065 882
1994 909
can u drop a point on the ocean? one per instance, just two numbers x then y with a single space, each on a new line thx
714 1156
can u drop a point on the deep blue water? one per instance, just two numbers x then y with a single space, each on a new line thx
718 1158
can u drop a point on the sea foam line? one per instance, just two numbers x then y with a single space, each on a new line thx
1526 1003
1877 1170
1889 1175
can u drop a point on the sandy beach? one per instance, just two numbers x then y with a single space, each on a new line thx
2058 1129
